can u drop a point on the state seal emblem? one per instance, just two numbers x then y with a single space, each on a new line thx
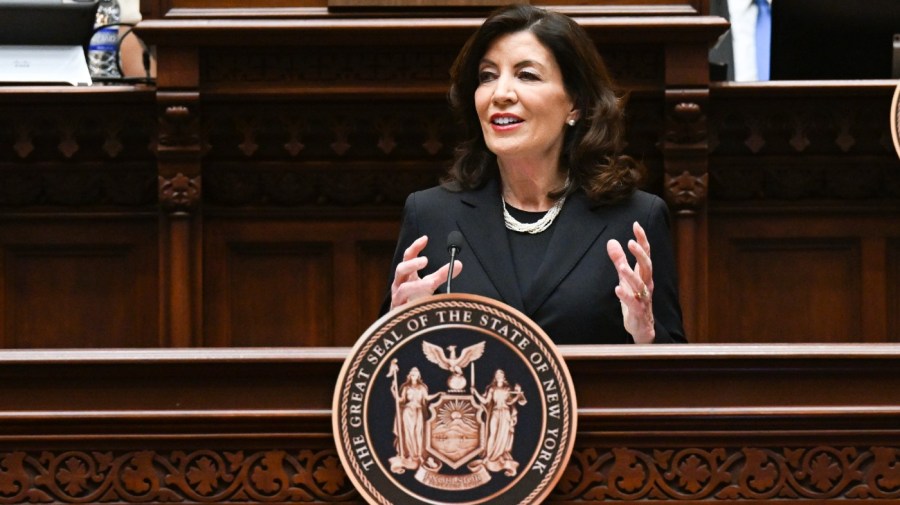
454 399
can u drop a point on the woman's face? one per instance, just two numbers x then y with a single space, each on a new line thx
521 101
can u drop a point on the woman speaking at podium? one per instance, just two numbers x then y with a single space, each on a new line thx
541 193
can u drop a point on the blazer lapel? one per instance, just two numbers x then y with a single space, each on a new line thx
481 223
576 230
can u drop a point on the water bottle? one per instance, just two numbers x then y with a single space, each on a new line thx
103 48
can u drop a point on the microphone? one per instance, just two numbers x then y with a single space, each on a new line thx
454 244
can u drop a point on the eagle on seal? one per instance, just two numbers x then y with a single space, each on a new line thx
453 363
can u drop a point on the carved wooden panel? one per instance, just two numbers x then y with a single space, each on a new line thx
804 190
374 259
370 68
272 285
787 290
329 155
183 476
79 283
803 277
734 474
66 150
294 282
679 474
820 145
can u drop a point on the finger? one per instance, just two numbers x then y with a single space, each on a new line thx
440 276
410 291
415 248
641 237
407 270
628 278
420 288
644 267
616 253
457 267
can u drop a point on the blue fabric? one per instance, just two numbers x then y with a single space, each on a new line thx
763 39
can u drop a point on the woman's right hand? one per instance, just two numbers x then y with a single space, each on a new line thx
407 285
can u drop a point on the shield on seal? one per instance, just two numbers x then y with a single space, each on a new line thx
455 432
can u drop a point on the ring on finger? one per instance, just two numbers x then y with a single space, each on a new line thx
644 293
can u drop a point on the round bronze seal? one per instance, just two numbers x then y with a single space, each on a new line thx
454 399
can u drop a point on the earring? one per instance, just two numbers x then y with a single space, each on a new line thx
571 122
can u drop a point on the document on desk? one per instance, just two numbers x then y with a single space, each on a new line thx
44 65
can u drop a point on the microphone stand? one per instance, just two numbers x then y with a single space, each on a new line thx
453 250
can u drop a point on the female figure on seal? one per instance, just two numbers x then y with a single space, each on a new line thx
409 428
500 402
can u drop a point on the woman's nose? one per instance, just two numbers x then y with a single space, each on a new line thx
504 92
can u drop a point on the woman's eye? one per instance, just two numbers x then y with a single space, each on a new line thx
485 76
529 76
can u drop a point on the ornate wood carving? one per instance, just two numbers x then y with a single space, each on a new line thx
179 152
686 190
818 474
179 193
60 151
797 146
685 160
685 144
301 154
179 124
181 476
384 185
749 474
368 66
127 186
327 66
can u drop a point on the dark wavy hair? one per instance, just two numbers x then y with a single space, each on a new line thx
592 149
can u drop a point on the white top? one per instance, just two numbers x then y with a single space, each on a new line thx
742 14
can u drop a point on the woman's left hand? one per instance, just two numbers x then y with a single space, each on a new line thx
635 289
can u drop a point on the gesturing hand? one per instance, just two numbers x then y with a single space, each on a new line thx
635 288
407 285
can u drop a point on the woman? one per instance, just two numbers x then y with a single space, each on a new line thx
412 400
541 193
500 403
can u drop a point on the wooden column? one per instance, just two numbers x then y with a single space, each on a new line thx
179 151
686 178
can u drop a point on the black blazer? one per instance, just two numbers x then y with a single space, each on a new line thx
572 296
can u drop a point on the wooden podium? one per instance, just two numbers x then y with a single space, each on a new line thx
681 424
